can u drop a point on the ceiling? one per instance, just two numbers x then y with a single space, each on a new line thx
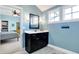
44 7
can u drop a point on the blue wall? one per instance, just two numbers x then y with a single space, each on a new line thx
11 20
65 38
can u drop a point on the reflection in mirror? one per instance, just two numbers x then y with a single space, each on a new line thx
34 21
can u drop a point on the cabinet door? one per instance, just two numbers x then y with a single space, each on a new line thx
27 42
34 42
43 39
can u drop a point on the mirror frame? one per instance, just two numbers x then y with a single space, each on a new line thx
30 25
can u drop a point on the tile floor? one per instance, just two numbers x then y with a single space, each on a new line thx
13 47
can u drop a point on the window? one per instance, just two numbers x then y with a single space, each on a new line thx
75 9
67 14
71 13
75 12
67 17
67 11
54 16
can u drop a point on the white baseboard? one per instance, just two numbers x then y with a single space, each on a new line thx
62 50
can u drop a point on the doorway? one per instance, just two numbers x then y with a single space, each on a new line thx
10 17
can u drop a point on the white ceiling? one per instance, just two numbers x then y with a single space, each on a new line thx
44 7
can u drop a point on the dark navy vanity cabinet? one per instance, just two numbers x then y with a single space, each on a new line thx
35 41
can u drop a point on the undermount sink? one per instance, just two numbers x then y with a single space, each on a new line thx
35 31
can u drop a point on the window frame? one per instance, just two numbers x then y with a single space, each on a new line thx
54 11
61 15
72 13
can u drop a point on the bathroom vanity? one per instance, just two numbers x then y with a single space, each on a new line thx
35 40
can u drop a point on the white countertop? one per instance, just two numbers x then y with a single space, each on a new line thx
38 31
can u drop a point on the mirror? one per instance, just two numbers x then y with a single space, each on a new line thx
34 21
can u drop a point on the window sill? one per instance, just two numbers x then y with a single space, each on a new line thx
77 20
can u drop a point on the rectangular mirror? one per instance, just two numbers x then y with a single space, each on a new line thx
34 21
